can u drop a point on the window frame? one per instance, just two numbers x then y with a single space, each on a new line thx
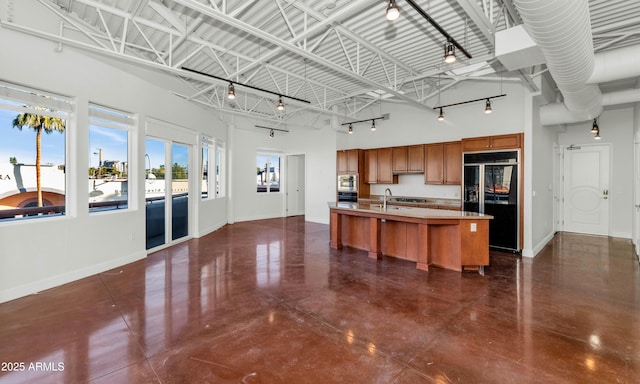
112 118
22 99
270 155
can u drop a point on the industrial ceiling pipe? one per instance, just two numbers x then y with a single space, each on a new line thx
562 29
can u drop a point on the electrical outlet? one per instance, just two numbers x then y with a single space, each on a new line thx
474 227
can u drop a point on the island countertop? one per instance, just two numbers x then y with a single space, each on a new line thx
447 238
407 212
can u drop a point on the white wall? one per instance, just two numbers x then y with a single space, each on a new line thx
42 253
319 148
616 128
542 183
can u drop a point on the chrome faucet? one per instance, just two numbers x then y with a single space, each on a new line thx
384 200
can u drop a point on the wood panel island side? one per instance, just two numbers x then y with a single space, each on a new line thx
449 239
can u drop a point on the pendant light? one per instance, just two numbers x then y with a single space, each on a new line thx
351 129
441 115
280 104
487 108
393 12
594 128
597 136
231 92
373 125
449 53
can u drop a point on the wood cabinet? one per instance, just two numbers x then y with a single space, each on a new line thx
492 142
379 166
415 158
399 155
408 159
443 163
453 163
371 166
385 166
347 161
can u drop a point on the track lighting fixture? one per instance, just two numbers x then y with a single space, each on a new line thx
393 12
487 107
373 123
231 92
449 53
272 131
594 128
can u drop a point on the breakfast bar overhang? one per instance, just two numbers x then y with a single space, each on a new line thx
445 238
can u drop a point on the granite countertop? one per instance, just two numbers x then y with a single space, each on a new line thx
404 211
413 201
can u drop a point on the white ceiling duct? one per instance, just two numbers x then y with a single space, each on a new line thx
621 63
553 114
562 29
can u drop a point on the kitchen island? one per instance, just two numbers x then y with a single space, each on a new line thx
445 238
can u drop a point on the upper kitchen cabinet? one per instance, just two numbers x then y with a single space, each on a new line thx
399 155
443 163
379 166
348 161
408 159
490 143
415 158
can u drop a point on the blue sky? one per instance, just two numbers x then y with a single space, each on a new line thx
21 144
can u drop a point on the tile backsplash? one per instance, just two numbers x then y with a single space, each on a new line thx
414 186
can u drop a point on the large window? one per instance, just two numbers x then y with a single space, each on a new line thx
108 158
268 173
212 160
220 170
32 152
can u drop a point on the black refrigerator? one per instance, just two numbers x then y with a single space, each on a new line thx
490 186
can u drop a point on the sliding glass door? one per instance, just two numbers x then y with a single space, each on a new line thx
166 184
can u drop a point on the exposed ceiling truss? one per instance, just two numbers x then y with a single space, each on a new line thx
340 55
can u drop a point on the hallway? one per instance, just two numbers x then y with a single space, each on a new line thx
269 302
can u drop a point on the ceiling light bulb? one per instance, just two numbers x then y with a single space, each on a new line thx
594 128
393 12
487 108
271 133
373 125
280 104
350 129
441 115
231 93
449 53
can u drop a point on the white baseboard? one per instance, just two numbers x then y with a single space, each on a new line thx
320 220
209 230
622 235
55 281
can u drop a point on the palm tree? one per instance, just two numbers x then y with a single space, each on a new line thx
39 123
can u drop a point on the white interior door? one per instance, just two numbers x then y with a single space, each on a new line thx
586 189
295 185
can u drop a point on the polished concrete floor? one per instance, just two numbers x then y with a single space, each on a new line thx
269 302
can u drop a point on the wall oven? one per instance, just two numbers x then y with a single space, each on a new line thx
348 183
348 188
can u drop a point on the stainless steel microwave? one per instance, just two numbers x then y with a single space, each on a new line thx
348 183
